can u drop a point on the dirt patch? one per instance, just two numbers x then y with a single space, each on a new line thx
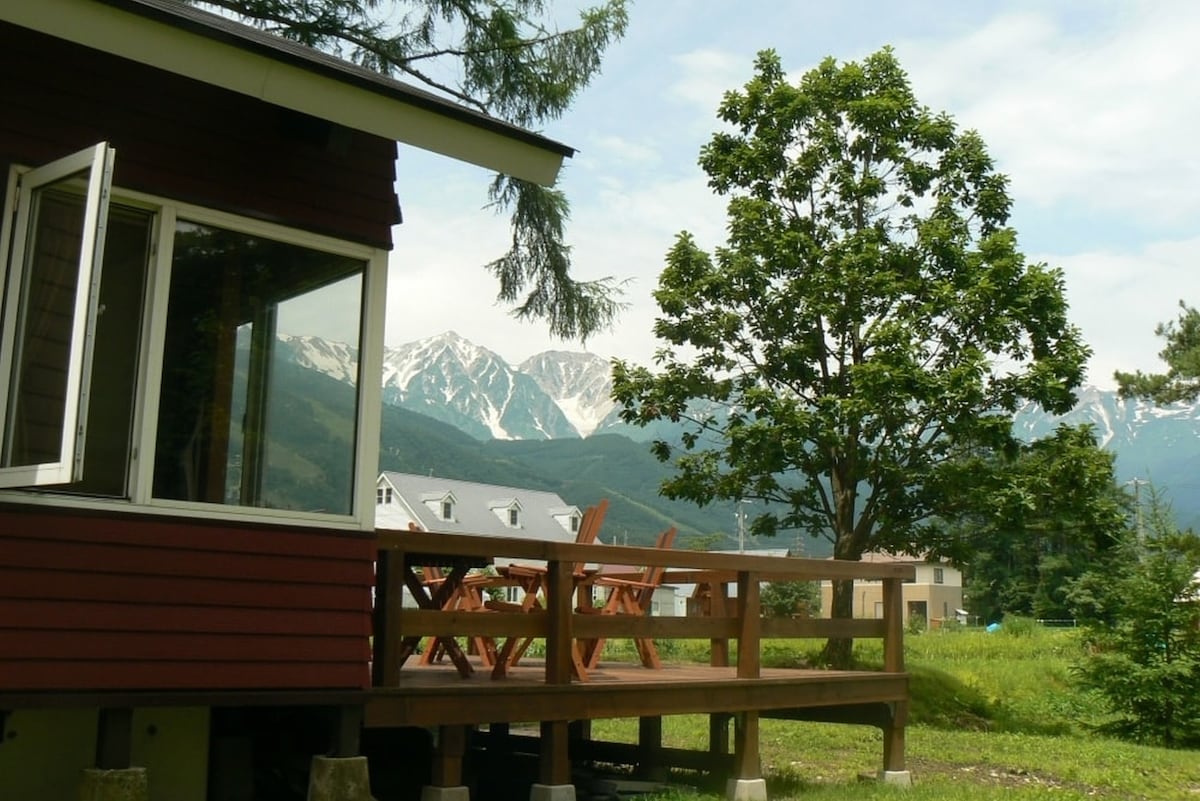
999 776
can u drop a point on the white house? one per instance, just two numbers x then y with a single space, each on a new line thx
449 506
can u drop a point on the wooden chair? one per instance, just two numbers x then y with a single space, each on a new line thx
532 581
466 597
630 596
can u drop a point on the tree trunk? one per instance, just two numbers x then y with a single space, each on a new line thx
837 652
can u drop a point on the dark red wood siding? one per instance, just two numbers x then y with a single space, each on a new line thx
186 140
131 602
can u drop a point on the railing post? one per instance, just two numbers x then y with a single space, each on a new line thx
718 606
554 768
893 620
749 626
893 662
389 598
559 595
748 782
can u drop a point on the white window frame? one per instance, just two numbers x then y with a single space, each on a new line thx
97 161
147 391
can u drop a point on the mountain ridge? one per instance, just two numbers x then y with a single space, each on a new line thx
562 395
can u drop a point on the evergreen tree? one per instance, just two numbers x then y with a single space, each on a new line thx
1144 654
1181 382
510 62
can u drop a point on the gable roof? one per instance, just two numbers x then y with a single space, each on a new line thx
172 36
475 508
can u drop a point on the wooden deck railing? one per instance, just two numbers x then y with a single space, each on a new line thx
730 617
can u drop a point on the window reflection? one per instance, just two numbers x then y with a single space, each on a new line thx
240 420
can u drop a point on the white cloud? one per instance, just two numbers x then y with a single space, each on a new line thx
706 75
1103 118
621 152
1117 298
1091 116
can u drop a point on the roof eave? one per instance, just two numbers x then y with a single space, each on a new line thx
203 47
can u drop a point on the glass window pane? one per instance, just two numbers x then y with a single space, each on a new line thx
48 316
47 313
247 416
113 384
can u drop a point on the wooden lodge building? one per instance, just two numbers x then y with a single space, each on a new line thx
193 604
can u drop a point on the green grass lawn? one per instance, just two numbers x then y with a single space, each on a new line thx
993 715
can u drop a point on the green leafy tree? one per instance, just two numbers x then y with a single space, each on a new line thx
869 317
510 62
790 599
1144 655
1029 523
1181 382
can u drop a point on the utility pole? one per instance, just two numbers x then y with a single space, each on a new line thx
740 516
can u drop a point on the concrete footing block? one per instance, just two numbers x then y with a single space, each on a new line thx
339 779
126 784
552 792
898 778
431 793
746 790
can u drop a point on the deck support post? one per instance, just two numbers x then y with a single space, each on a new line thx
554 768
114 738
346 731
448 754
747 783
746 760
718 733
649 758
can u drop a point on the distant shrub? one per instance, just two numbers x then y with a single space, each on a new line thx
1017 626
790 598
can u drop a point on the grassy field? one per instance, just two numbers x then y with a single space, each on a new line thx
993 715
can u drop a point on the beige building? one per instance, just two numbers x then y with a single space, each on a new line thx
935 595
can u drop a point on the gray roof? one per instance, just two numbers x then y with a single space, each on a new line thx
475 505
230 32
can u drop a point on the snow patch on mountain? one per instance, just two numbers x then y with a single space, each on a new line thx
579 383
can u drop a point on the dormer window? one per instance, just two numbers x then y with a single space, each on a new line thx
574 524
447 509
507 511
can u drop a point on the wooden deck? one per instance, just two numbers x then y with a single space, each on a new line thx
436 695
555 693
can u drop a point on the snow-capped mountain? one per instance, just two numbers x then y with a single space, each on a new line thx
560 394
335 359
579 383
1154 443
453 380
557 394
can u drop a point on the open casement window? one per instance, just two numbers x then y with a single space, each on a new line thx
49 316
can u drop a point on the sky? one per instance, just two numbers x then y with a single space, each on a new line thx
1092 109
